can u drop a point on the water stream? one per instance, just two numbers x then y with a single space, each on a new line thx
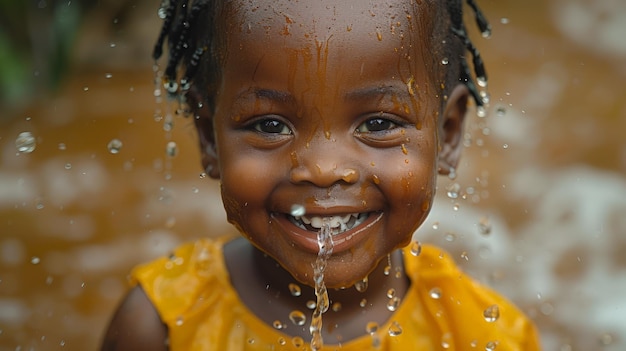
325 242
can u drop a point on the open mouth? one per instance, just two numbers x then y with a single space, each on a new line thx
338 224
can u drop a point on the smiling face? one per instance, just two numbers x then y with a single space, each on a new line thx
331 109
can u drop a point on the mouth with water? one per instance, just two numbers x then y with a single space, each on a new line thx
338 224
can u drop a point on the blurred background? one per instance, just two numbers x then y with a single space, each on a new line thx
96 176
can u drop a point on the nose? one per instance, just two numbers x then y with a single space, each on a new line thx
322 168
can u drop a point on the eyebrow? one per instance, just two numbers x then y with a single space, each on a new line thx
269 94
377 92
367 93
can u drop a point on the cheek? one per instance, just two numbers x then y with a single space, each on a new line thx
243 184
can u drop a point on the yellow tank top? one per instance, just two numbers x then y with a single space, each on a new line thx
443 309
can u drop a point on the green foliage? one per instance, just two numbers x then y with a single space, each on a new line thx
36 40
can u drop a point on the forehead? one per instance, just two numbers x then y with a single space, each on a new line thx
322 20
352 38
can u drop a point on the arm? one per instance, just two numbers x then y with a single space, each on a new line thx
135 326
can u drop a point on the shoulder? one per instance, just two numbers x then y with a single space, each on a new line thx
464 307
173 283
135 326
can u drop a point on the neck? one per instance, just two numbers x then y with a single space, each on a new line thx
269 291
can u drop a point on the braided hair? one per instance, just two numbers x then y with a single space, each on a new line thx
188 27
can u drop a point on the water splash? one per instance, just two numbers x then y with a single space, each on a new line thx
25 142
491 313
395 329
325 243
416 248
361 285
297 210
114 146
297 317
295 290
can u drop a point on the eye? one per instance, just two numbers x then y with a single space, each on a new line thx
271 126
376 124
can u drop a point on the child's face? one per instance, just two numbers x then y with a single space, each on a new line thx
329 105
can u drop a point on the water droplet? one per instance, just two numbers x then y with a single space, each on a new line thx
361 285
62 146
294 289
446 340
108 75
168 124
179 321
456 207
395 329
481 81
311 304
485 97
363 302
484 227
250 341
25 142
452 190
606 339
171 86
546 308
114 146
162 12
504 20
435 293
416 248
170 222
297 210
481 111
391 293
387 270
505 146
171 149
452 173
492 313
393 303
491 345
297 341
336 307
282 341
445 61
500 111
371 327
436 225
450 236
297 317
278 324
35 260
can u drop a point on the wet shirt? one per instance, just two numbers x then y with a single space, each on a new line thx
443 309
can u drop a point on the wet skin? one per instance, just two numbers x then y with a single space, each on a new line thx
335 106
336 109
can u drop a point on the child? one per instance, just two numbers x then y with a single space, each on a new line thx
326 123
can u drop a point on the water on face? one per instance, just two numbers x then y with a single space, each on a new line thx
325 243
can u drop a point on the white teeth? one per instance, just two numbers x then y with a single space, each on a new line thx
338 223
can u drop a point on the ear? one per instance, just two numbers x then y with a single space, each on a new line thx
451 133
203 121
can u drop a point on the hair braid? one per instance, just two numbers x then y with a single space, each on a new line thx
188 43
455 10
